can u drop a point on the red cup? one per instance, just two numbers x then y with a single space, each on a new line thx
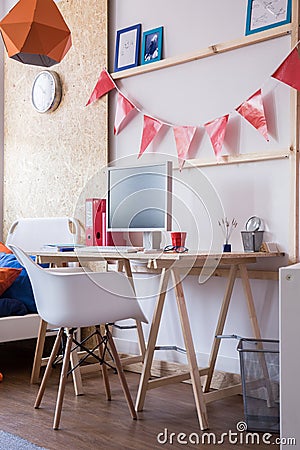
178 238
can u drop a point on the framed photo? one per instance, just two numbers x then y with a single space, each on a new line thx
127 47
264 14
152 45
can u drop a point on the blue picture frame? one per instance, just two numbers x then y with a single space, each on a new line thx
127 47
264 15
152 45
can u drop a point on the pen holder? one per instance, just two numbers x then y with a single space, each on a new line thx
252 240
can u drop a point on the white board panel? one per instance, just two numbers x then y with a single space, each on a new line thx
198 92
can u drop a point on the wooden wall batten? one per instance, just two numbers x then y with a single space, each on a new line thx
49 158
294 160
222 47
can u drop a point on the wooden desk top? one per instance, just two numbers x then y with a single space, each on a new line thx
180 258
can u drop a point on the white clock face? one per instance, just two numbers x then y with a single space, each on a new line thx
45 92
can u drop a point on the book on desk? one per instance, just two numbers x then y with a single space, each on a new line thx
109 249
61 247
91 248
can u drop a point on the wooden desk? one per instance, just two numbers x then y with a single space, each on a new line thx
174 265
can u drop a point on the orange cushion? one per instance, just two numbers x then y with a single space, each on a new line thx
4 249
7 277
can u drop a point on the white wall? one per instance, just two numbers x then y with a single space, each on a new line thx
193 94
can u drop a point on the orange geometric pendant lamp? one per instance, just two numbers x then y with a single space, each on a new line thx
34 32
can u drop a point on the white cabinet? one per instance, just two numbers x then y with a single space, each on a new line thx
290 353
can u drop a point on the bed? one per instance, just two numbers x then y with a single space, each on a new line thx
31 234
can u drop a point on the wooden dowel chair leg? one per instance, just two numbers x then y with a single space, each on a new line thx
63 380
48 369
103 366
121 375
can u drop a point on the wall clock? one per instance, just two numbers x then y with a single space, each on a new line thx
46 91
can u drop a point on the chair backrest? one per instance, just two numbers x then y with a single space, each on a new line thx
31 234
80 299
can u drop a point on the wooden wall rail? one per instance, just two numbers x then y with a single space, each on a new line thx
239 159
294 161
204 53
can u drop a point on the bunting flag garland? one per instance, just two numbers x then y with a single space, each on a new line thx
253 111
183 138
124 107
104 84
150 129
216 131
289 71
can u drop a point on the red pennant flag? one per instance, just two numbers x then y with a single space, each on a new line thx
253 111
150 130
183 138
216 131
289 71
124 106
104 84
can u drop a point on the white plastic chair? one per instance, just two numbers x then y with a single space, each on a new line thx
31 234
71 300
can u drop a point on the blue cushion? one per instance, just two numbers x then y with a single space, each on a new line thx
12 307
21 287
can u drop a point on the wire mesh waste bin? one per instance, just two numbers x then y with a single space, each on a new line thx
252 240
259 360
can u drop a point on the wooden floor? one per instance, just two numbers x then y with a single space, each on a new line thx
89 421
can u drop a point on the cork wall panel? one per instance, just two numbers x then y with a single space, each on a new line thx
49 159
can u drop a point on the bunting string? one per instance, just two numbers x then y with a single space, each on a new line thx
252 110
